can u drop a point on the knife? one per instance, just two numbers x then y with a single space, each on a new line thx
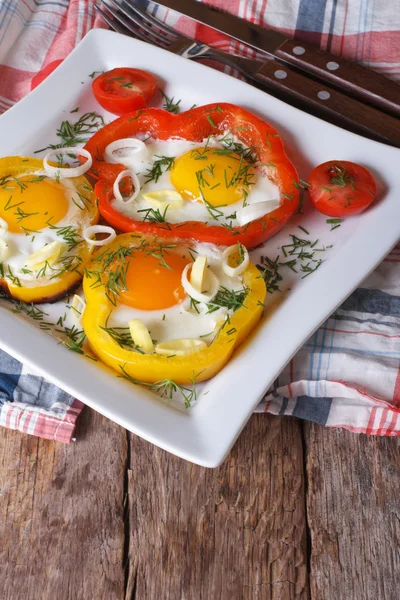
288 84
360 82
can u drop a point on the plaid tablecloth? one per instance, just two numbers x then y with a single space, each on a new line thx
347 374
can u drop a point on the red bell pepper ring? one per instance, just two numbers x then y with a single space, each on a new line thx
196 125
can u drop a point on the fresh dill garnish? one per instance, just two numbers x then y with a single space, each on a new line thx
225 298
21 214
201 180
75 110
122 336
310 267
334 223
303 253
242 178
289 196
85 201
67 264
303 229
10 275
74 339
230 299
269 270
114 279
158 251
230 228
69 234
61 320
42 271
199 153
213 211
154 215
30 310
170 105
160 166
230 145
216 109
72 134
28 231
9 179
304 184
210 120
9 206
340 176
165 387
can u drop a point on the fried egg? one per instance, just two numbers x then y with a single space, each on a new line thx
215 179
162 309
155 295
42 219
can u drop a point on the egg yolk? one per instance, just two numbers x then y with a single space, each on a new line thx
28 203
217 175
152 282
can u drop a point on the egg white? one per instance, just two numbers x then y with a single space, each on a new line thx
20 245
262 189
180 321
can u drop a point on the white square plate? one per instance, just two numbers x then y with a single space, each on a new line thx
205 433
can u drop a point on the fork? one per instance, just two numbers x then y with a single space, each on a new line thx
268 75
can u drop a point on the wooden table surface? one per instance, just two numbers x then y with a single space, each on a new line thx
296 511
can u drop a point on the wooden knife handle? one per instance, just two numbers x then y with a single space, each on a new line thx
360 82
328 103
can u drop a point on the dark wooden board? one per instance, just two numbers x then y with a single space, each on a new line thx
61 521
353 508
237 532
112 517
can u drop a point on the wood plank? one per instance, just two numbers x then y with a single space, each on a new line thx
61 514
353 508
237 532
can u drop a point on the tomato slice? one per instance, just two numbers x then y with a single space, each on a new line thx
339 188
123 90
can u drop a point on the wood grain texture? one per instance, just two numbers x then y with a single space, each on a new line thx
61 521
353 507
237 532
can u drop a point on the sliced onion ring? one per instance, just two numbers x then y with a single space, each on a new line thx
141 335
234 271
182 347
70 172
137 148
49 253
135 181
255 211
212 284
93 229
78 305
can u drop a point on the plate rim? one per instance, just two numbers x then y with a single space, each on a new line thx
205 454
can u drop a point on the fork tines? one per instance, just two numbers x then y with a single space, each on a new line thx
137 23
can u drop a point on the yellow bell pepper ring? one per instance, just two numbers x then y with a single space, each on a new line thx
100 285
34 205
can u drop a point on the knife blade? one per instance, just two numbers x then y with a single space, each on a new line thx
358 81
